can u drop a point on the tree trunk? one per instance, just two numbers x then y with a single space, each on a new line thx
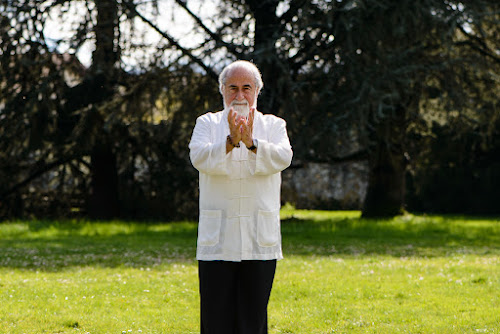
266 33
386 184
107 52
103 201
387 163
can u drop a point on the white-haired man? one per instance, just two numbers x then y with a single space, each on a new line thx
239 153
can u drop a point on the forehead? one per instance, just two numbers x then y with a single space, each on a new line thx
240 77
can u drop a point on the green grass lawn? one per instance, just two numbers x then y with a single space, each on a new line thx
341 274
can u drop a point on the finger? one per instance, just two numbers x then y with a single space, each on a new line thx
241 124
233 121
231 115
241 120
247 127
251 117
229 119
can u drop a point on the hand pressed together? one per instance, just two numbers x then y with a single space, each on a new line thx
240 127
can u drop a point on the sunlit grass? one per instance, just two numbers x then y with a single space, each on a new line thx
341 274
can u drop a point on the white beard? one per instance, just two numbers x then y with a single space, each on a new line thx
240 108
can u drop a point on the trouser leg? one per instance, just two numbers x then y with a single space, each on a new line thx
255 286
234 296
218 293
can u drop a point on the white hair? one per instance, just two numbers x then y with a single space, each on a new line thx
241 64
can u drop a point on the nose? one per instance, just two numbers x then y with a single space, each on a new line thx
240 96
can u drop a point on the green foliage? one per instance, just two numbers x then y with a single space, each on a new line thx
355 80
341 273
466 165
58 134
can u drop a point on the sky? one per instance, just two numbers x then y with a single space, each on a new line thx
172 19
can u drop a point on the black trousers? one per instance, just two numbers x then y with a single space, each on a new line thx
234 296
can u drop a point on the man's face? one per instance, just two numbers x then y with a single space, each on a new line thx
239 91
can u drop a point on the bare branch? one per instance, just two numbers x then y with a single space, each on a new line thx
172 41
477 44
213 36
39 171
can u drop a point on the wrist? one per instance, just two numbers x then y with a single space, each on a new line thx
253 146
229 140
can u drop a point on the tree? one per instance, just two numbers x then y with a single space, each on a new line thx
355 80
67 106
103 201
423 46
367 68
61 135
375 63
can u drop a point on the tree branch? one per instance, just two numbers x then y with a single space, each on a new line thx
481 48
212 35
358 156
37 173
287 16
172 41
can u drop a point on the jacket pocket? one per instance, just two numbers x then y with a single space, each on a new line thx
209 227
268 228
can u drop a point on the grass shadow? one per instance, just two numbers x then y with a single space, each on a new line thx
416 236
56 246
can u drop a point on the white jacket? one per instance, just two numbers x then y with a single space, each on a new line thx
239 191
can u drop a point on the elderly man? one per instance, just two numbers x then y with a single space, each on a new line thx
239 153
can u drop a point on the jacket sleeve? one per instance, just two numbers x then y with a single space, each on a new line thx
275 154
206 155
